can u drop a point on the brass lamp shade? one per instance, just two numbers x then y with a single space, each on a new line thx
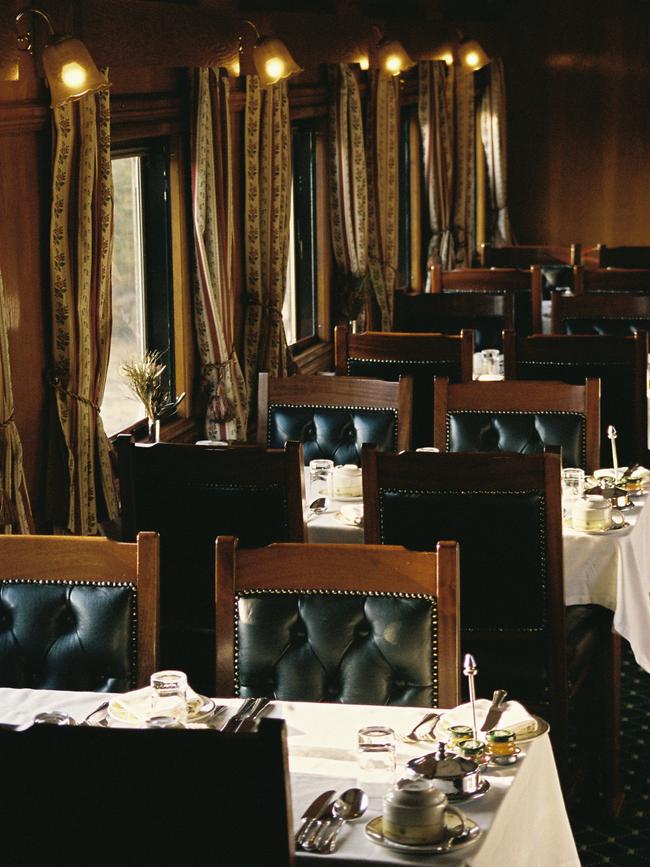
70 70
273 60
471 54
392 57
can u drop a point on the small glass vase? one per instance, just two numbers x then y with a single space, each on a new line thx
153 430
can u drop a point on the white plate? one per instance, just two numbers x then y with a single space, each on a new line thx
199 708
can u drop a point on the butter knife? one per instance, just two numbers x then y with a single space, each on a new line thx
244 709
312 814
249 721
496 710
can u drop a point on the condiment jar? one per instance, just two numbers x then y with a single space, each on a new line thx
347 481
414 813
502 742
458 734
472 749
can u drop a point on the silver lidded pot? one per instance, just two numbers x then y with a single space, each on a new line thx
454 775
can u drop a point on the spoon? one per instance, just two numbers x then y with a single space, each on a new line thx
320 505
411 736
351 804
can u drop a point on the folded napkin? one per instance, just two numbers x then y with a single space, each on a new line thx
134 708
351 514
515 717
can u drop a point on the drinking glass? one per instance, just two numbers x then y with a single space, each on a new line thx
169 695
573 488
321 472
376 761
492 364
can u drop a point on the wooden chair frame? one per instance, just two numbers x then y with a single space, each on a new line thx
412 309
235 464
524 255
506 281
624 280
521 396
614 305
622 257
587 349
414 346
95 560
349 391
380 568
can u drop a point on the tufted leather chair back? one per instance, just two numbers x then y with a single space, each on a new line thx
334 416
421 357
78 613
349 623
68 781
505 512
619 362
520 418
189 494
485 313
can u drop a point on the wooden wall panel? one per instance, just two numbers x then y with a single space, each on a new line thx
578 79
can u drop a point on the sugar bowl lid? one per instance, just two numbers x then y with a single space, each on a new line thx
442 765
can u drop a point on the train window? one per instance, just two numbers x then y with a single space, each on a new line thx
141 275
300 311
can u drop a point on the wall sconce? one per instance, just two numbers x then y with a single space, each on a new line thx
392 57
271 58
69 69
471 54
445 52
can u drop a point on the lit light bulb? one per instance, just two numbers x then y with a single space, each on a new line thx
472 59
393 64
448 58
274 68
235 68
364 62
73 75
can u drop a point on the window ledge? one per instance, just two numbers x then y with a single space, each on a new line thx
315 358
173 430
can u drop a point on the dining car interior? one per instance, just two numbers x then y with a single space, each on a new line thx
324 450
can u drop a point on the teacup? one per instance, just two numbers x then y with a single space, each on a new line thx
594 513
347 481
414 813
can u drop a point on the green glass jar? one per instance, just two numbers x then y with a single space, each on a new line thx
502 742
458 734
472 749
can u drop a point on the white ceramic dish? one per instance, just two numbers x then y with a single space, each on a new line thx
374 832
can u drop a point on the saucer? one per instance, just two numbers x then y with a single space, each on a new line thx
343 498
199 708
374 832
606 532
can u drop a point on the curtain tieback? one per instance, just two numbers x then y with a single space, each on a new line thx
221 408
255 302
10 420
56 382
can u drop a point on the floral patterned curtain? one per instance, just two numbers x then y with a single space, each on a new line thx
347 175
267 155
493 136
15 510
383 190
81 493
213 216
447 124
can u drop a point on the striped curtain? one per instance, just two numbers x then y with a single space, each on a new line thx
15 510
435 113
447 124
81 494
348 183
493 136
213 216
383 190
267 156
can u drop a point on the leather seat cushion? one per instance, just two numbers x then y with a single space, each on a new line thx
336 433
518 432
352 648
67 636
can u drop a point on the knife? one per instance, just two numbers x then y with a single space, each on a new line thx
318 807
248 722
496 710
244 709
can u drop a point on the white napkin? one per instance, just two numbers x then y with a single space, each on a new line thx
351 514
134 708
515 717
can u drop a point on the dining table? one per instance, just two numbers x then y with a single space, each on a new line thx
521 816
610 568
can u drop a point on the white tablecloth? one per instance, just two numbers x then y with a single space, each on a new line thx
522 815
612 569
